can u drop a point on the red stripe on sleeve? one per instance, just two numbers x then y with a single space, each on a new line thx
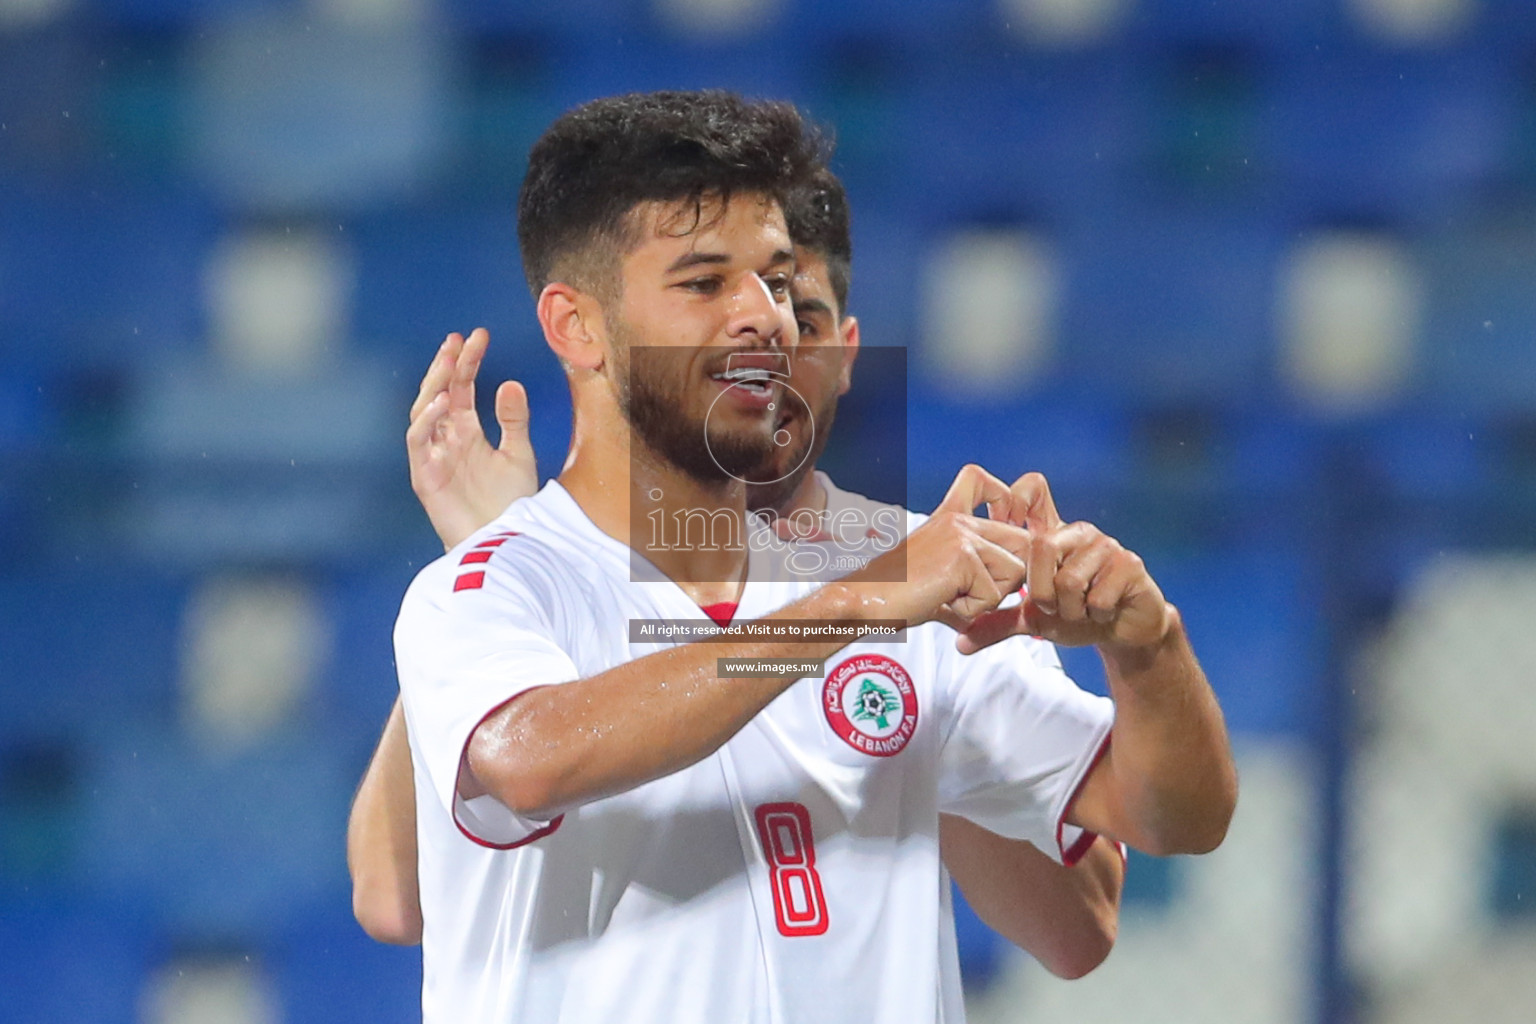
1071 856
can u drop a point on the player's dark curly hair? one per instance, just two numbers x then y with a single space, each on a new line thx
817 217
592 167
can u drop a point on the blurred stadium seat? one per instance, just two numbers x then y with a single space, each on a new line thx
1010 135
1255 621
1281 28
72 963
422 273
1171 303
1481 316
86 647
1408 139
327 970
92 280
198 835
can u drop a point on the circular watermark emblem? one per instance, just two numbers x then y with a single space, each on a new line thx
780 437
871 703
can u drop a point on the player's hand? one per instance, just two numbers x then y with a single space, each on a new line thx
461 481
1084 586
958 565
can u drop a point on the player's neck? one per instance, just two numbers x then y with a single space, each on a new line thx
678 523
808 496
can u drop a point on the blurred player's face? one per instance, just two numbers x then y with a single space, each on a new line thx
705 306
820 374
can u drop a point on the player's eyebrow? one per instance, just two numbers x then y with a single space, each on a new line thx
812 306
696 258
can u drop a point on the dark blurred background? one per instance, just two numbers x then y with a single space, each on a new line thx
1251 281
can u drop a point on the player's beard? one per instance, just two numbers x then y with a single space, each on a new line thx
653 394
779 487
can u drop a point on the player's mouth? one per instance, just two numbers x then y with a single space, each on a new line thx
750 380
751 391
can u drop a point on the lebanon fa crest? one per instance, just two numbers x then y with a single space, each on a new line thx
870 702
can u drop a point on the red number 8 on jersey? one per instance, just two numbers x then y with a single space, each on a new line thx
798 903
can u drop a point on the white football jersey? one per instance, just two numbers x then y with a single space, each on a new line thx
792 876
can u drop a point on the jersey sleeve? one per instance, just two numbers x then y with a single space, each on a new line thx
463 652
1020 739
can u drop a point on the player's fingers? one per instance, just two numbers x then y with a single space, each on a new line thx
1033 502
978 590
973 486
1049 550
461 388
1124 583
989 628
512 414
438 372
1005 568
419 435
1078 573
951 618
1045 557
1005 535
1112 584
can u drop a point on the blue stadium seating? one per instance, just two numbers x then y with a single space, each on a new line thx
1082 446
1481 316
646 62
909 25
28 418
1170 302
422 273
72 962
557 20
979 947
183 14
1251 24
327 970
223 844
1507 24
1400 138
1255 622
1015 135
887 265
358 686
86 647
93 280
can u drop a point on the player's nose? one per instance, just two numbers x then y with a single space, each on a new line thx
755 314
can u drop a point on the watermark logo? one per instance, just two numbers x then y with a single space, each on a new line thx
761 418
747 373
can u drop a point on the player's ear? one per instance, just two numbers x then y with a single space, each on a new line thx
573 325
849 329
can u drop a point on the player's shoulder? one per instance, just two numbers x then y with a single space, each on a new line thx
526 554
880 515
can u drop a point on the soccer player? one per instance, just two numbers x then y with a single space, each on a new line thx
1066 917
612 830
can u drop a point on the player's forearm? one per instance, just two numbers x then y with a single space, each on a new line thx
381 842
1170 758
558 747
1065 917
